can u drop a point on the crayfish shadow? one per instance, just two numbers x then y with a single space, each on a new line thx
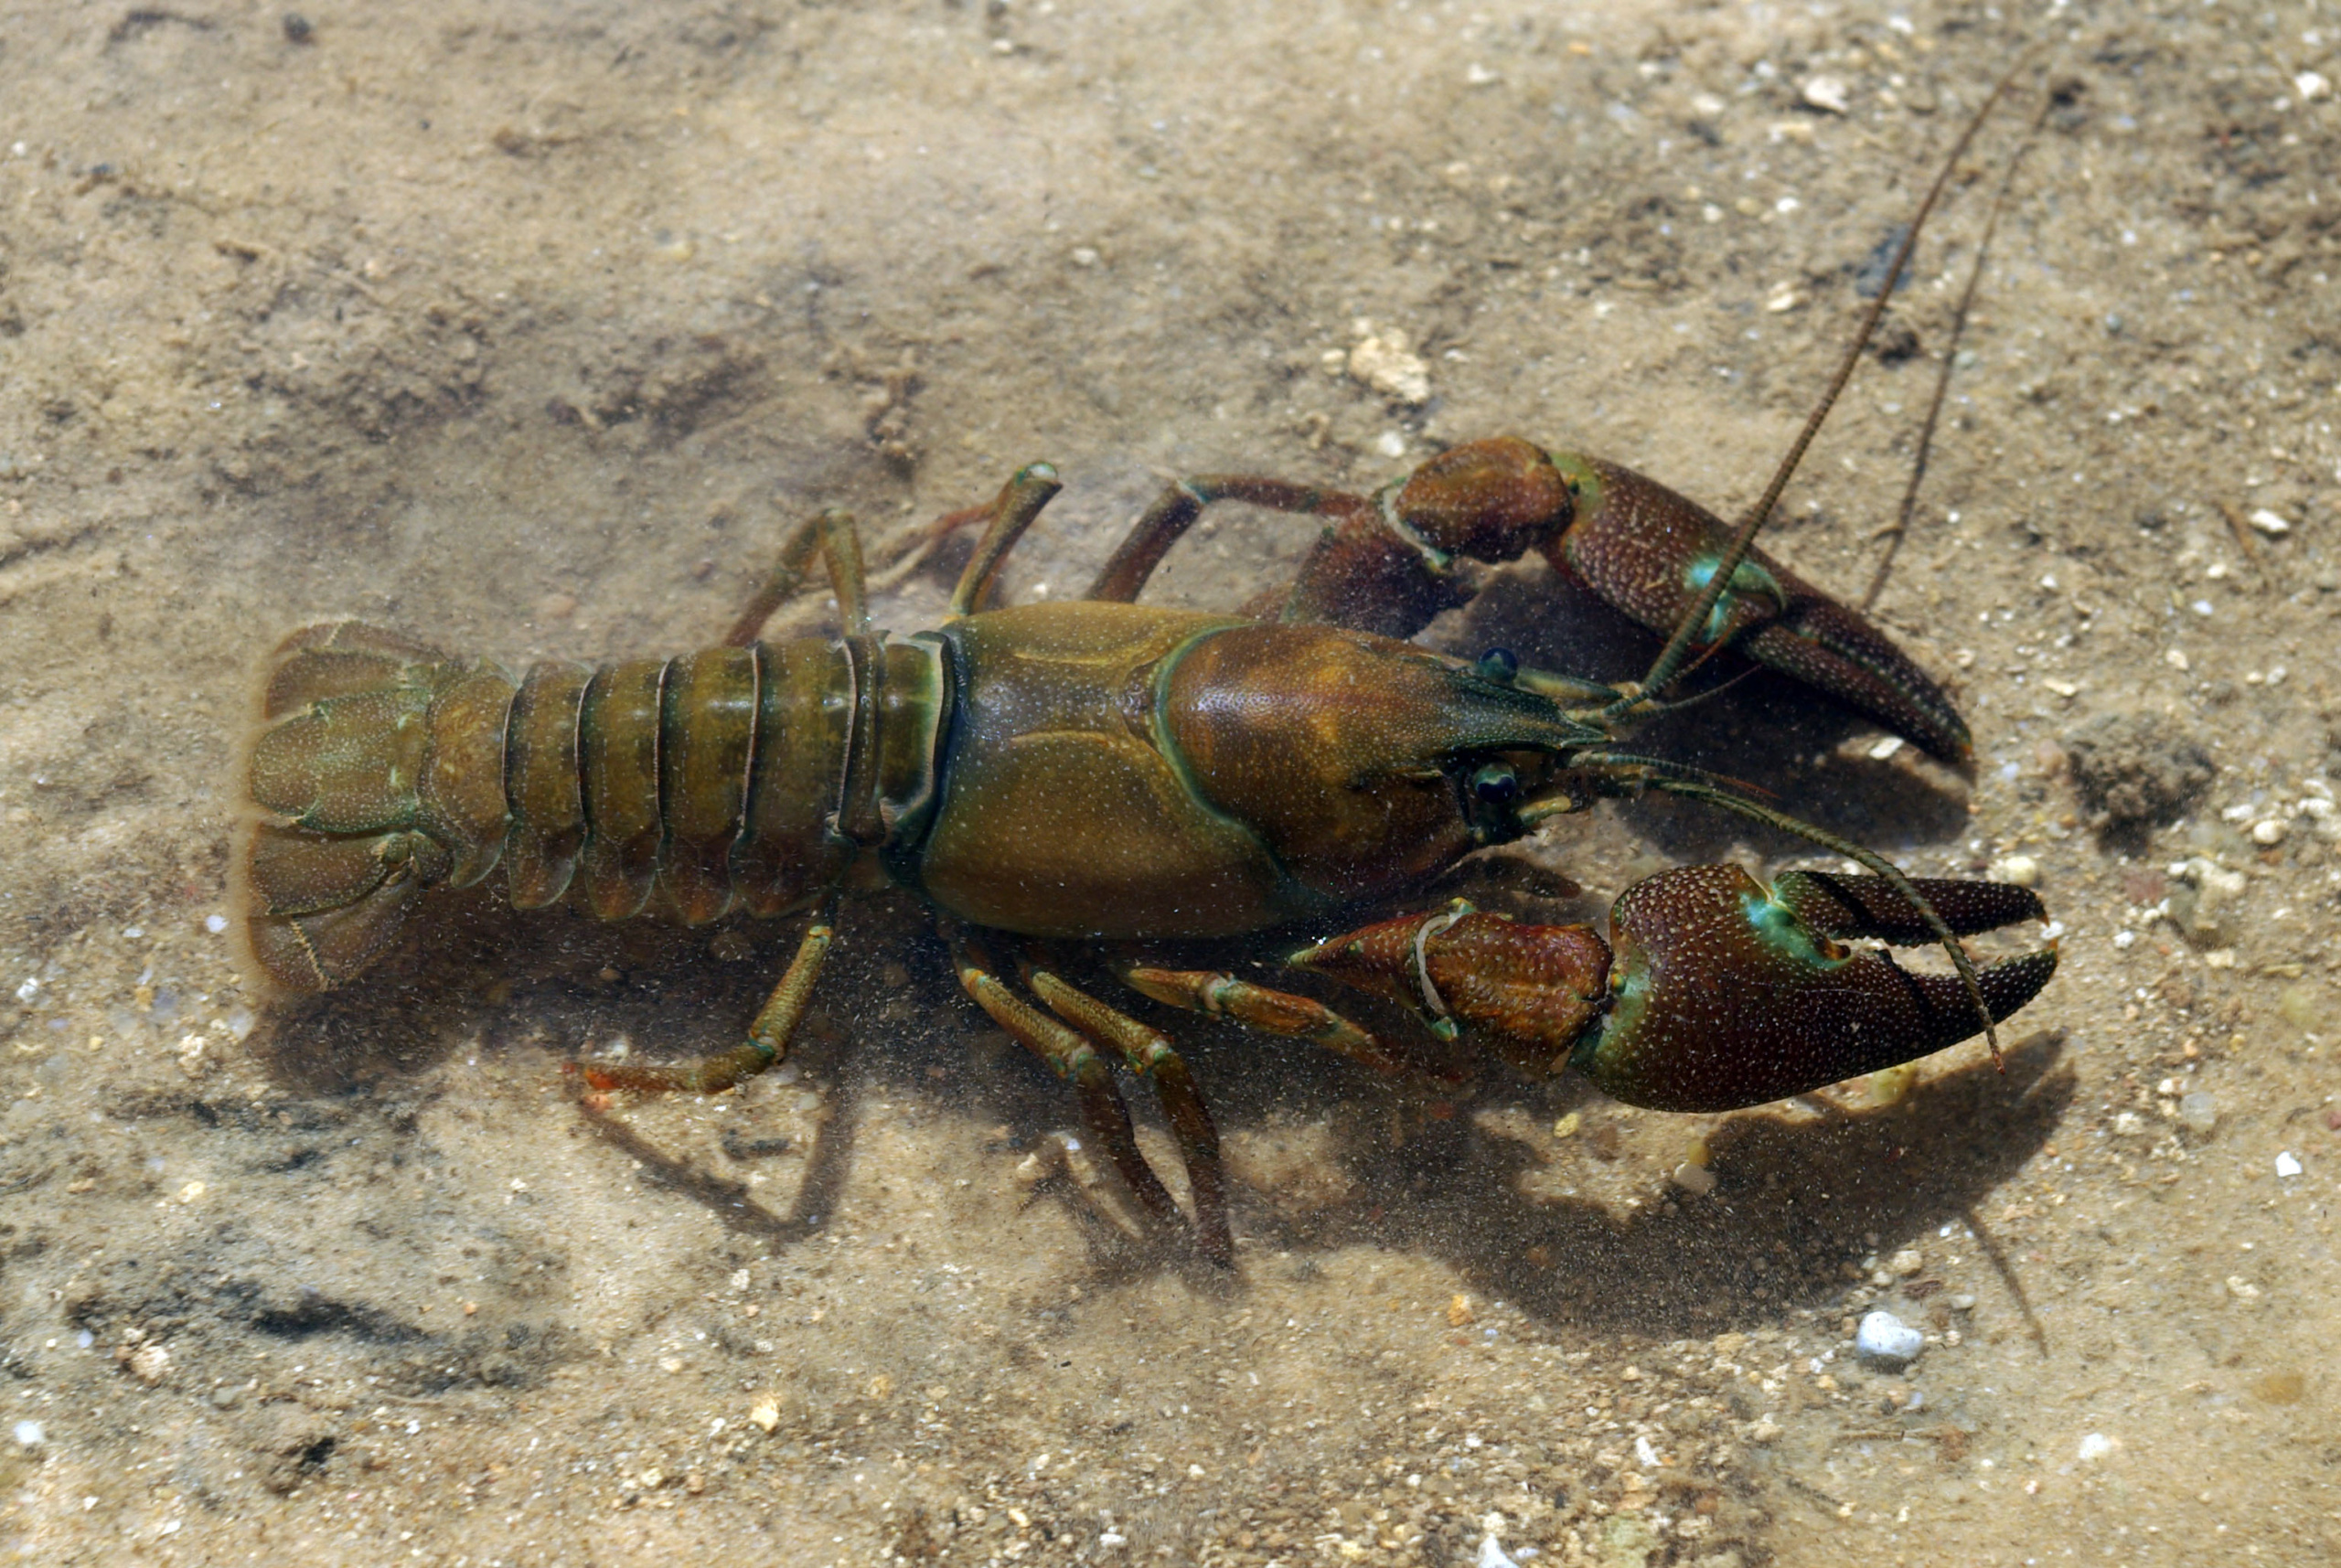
1793 1202
477 976
523 991
1788 744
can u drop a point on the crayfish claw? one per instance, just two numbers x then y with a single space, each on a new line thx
1842 906
1726 992
1834 649
1649 552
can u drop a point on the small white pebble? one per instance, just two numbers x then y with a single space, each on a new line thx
2174 658
1886 747
2021 869
150 1363
2124 938
1695 1180
214 924
30 1434
2272 523
2094 1446
1906 1262
2271 831
1493 1555
1386 361
29 990
1885 1341
1826 93
2287 1163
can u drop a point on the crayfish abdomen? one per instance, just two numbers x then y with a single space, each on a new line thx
735 775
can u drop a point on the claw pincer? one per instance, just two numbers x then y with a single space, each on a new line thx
1721 992
1637 545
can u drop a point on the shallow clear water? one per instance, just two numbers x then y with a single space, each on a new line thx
528 334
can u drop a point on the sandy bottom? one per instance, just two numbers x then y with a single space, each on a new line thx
526 328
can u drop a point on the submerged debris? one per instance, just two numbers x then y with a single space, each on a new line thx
2138 770
2198 1113
1386 361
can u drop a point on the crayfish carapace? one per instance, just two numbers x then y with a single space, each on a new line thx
1103 770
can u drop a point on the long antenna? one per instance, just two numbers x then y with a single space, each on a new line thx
1687 630
1900 529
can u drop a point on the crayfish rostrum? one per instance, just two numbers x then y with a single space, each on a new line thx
1103 771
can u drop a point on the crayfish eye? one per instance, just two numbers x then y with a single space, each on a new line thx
1498 664
1495 784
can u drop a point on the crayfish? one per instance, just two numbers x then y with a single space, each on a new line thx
1105 772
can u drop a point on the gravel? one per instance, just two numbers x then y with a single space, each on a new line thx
1887 1343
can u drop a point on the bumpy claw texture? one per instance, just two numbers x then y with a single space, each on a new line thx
1649 552
1726 992
1722 993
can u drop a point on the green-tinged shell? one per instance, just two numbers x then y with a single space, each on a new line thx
1726 993
378 770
